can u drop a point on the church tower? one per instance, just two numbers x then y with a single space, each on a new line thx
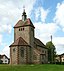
21 51
25 29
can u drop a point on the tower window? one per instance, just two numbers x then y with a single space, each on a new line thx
23 28
19 29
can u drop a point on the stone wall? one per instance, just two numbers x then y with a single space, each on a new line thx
14 55
22 59
27 33
40 55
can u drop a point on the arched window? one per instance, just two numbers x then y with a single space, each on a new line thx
13 49
22 52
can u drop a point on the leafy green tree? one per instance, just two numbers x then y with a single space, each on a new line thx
51 52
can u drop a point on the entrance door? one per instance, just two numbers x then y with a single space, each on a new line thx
42 58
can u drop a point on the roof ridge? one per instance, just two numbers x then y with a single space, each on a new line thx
23 40
39 43
37 50
20 41
21 23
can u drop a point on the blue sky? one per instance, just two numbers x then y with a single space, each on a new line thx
46 15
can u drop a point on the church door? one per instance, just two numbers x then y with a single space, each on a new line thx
42 58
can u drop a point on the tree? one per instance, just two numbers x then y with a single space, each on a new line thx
51 52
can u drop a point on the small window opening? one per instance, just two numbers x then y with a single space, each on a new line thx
19 29
14 50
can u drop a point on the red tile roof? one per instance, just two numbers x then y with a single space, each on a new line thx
21 23
19 42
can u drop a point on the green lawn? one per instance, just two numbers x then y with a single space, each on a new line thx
43 67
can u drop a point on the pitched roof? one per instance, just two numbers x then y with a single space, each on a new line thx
39 43
1 56
19 42
21 23
38 52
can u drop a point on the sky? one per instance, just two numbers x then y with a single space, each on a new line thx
46 15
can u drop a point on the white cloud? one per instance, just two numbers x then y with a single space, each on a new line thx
59 44
0 39
6 27
59 15
60 48
37 13
42 13
44 31
59 20
6 51
58 40
8 12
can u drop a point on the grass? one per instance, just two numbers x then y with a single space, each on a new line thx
44 67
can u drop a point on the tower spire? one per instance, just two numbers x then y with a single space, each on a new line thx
24 16
51 38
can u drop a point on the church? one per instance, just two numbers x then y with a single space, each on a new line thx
26 48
